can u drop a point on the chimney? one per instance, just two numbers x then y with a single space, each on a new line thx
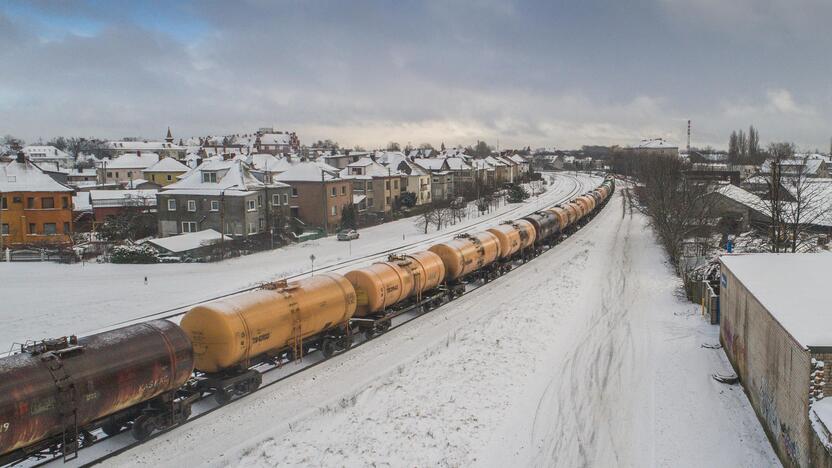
21 157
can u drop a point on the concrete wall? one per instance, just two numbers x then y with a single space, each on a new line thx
773 368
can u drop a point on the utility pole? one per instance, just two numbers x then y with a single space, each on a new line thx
222 224
324 204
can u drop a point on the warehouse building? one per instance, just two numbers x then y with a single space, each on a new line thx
776 329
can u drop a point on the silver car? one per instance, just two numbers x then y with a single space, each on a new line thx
347 234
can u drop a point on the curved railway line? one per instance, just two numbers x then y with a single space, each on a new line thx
268 371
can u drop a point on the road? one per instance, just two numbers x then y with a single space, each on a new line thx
584 357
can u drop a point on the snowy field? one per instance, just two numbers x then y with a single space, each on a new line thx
41 300
583 357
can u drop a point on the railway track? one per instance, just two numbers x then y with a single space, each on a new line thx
266 371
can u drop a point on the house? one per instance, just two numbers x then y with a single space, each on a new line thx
164 149
502 170
318 194
796 167
729 200
125 167
192 244
106 203
414 179
165 171
222 195
48 157
34 208
442 179
776 330
76 176
269 140
379 184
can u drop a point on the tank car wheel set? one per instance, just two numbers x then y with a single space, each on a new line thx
146 377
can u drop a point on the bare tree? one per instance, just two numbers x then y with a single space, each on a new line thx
776 206
809 205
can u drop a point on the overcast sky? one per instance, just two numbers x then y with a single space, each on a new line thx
539 73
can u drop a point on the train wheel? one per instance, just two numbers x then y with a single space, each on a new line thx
370 333
222 396
143 426
328 347
385 325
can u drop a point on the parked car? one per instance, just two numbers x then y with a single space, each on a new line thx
347 234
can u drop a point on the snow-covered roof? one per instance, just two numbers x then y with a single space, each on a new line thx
27 177
368 169
81 202
141 145
132 161
655 143
356 199
100 198
306 171
431 164
167 165
520 159
808 165
742 196
230 176
44 152
189 241
457 164
793 288
268 162
495 162
283 138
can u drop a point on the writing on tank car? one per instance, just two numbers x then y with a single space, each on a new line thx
467 253
233 332
56 390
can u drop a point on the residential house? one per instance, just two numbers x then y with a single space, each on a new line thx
34 208
442 179
222 195
379 184
75 177
125 167
164 149
269 140
106 203
165 171
48 157
502 169
318 194
414 179
795 167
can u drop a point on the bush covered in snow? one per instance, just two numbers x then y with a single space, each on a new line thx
134 254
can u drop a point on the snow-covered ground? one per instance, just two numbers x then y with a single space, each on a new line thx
40 300
583 357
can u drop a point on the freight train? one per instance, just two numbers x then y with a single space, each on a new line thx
55 393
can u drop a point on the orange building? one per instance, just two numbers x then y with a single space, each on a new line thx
34 208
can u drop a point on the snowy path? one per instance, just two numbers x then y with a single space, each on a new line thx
42 300
583 357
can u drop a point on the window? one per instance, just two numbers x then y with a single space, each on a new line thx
388 200
129 174
369 186
117 175
252 205
47 203
285 199
67 230
30 203
334 211
5 230
252 228
32 229
436 180
294 192
153 177
50 229
4 203
11 178
260 201
370 202
215 205
333 192
343 190
387 184
188 226
396 184
109 174
64 202
192 205
172 204
170 177
276 199
209 176
17 200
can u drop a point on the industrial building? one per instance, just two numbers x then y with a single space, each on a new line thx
776 329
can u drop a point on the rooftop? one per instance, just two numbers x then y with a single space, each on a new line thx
188 241
167 165
132 161
792 287
27 177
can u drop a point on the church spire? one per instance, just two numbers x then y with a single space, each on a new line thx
169 137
